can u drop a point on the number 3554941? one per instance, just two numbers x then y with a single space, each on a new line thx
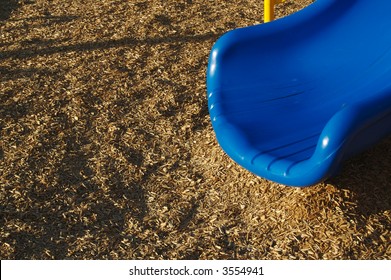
243 270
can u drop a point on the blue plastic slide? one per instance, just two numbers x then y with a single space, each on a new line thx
290 100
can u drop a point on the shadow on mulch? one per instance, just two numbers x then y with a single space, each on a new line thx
54 212
6 8
54 206
108 44
368 176
15 73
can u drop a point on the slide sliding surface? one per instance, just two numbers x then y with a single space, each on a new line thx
291 99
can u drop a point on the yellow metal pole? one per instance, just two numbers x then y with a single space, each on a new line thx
269 9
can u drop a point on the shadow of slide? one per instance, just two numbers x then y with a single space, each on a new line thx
368 175
6 8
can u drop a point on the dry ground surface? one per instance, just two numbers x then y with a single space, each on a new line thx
107 152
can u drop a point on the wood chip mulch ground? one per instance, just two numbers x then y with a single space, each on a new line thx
107 151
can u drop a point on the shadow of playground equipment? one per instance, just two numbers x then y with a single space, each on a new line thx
47 49
368 177
6 8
